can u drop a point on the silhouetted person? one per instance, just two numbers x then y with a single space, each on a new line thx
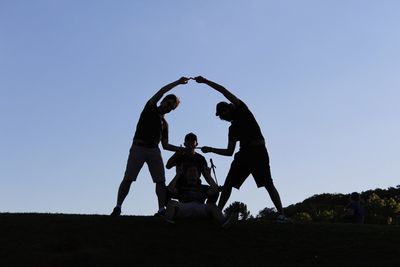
190 204
252 157
189 157
354 212
150 130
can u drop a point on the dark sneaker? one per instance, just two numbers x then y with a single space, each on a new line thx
116 212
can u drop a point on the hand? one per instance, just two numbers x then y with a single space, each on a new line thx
206 149
200 79
183 80
181 150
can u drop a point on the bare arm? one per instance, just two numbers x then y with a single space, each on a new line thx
221 151
167 146
172 185
207 176
155 98
172 161
231 97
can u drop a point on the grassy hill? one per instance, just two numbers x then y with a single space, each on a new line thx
93 240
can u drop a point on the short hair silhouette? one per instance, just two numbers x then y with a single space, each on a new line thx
221 106
190 137
173 98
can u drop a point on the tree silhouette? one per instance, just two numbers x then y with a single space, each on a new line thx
382 206
267 213
239 207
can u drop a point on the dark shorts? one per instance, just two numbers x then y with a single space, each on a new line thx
202 196
254 161
138 156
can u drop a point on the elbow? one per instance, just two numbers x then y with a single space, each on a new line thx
164 145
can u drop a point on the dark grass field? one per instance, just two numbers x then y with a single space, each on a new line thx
92 240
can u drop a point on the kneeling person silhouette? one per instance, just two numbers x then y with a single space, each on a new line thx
189 157
191 198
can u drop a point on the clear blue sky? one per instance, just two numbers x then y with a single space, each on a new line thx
321 77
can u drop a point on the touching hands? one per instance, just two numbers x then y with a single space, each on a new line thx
200 79
183 80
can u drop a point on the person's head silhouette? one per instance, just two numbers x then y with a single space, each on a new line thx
225 111
169 103
191 141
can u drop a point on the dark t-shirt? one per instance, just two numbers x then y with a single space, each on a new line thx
244 127
151 127
195 160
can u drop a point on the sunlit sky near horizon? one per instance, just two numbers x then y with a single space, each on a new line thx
321 77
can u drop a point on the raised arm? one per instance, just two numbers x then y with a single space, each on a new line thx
155 98
221 151
231 97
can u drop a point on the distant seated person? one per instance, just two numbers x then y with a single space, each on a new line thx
191 198
354 212
189 157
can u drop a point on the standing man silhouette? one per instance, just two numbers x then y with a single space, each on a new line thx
252 157
150 130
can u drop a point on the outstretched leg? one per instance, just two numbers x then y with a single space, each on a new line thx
161 191
133 166
123 191
274 195
225 194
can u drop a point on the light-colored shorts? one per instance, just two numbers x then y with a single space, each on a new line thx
191 210
139 155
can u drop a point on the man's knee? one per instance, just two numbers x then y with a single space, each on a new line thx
227 187
127 181
160 185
